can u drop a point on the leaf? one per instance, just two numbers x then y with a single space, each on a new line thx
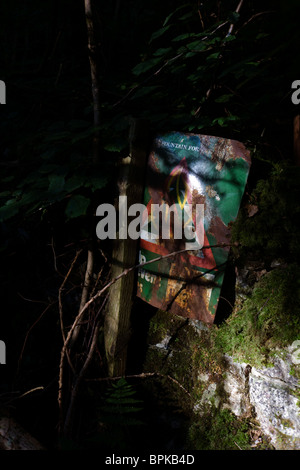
48 168
96 182
49 154
162 51
116 145
214 56
198 45
174 12
190 54
182 36
77 206
233 17
145 90
159 32
75 182
76 124
223 99
56 183
146 65
10 209
187 15
225 120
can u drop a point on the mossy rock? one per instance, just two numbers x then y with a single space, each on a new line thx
268 320
219 430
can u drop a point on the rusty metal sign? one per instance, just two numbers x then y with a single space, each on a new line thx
196 171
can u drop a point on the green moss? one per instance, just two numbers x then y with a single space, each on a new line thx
219 430
161 325
189 354
269 319
274 230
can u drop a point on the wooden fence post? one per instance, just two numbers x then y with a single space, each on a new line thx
125 255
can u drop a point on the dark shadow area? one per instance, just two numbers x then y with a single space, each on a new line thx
141 314
227 295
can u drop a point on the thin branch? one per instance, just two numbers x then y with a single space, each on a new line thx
24 394
85 289
93 48
255 16
200 16
143 375
96 296
236 11
28 332
60 294
54 256
68 420
139 85
60 305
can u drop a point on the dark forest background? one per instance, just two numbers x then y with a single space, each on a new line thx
187 66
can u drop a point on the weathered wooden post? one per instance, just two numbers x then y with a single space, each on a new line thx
125 255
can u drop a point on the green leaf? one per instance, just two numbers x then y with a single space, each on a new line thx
233 17
174 12
8 179
223 99
56 183
214 56
77 206
162 51
96 182
187 15
159 33
144 66
49 154
225 120
198 45
10 209
182 36
190 54
48 168
75 182
117 145
76 124
145 90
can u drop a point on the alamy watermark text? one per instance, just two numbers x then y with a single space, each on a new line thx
157 222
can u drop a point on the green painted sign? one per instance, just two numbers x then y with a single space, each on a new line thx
195 171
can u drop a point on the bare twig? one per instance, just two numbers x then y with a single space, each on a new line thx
200 16
60 294
236 11
54 256
24 394
28 332
143 375
237 445
96 296
60 305
85 289
69 415
93 48
255 16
